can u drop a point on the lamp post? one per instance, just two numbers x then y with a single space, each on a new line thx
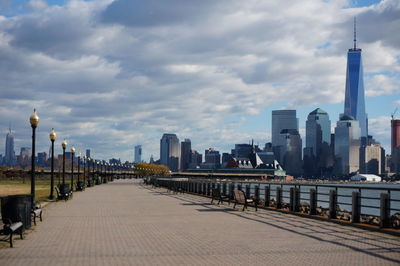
64 146
53 137
34 120
72 168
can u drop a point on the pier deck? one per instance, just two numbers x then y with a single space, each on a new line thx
126 223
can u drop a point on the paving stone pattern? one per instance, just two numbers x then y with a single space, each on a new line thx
127 223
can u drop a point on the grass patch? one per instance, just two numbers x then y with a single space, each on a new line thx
19 185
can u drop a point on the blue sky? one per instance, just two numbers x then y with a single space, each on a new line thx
109 75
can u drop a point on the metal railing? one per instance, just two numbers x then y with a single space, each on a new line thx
378 205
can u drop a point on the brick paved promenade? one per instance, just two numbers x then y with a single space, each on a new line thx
124 223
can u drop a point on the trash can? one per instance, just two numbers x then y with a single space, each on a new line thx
17 208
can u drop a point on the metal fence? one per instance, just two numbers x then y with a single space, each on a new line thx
371 204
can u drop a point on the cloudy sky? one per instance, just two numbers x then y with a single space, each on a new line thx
108 75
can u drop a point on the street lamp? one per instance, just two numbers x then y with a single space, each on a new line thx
34 120
64 146
72 168
53 137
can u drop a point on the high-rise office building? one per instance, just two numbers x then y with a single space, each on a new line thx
347 145
281 120
354 103
196 159
395 141
212 159
9 158
138 154
169 151
87 153
395 146
291 151
186 151
370 159
318 130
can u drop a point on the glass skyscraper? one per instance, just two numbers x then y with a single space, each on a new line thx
318 130
354 103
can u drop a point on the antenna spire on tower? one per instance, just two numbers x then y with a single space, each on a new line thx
355 33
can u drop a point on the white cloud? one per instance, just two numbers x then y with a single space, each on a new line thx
109 80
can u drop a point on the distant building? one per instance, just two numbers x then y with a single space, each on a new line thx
138 154
347 145
9 157
225 158
186 151
41 159
281 120
354 102
212 159
370 159
196 159
169 151
318 155
88 153
395 146
292 151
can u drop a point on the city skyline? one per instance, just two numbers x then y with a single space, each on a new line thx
217 87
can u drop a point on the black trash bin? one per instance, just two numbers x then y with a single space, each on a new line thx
17 208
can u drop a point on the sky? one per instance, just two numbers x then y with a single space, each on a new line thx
111 74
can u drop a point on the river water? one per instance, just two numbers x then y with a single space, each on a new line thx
370 194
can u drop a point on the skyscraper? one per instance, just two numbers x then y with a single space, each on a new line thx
169 151
9 158
291 151
318 130
354 103
347 145
87 153
186 148
282 120
395 161
138 153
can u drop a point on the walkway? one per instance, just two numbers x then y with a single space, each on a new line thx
125 223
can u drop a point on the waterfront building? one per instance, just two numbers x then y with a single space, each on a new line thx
347 145
138 154
292 159
354 103
281 120
88 153
370 159
186 148
169 151
9 157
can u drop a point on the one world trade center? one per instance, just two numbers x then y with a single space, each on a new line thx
354 103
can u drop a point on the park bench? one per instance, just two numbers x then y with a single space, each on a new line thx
216 195
9 229
36 213
64 194
240 197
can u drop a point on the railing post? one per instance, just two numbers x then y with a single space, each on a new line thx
313 201
219 187
296 199
332 204
355 207
247 190
266 196
278 197
239 186
224 189
385 210
208 189
257 193
292 200
204 189
231 188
